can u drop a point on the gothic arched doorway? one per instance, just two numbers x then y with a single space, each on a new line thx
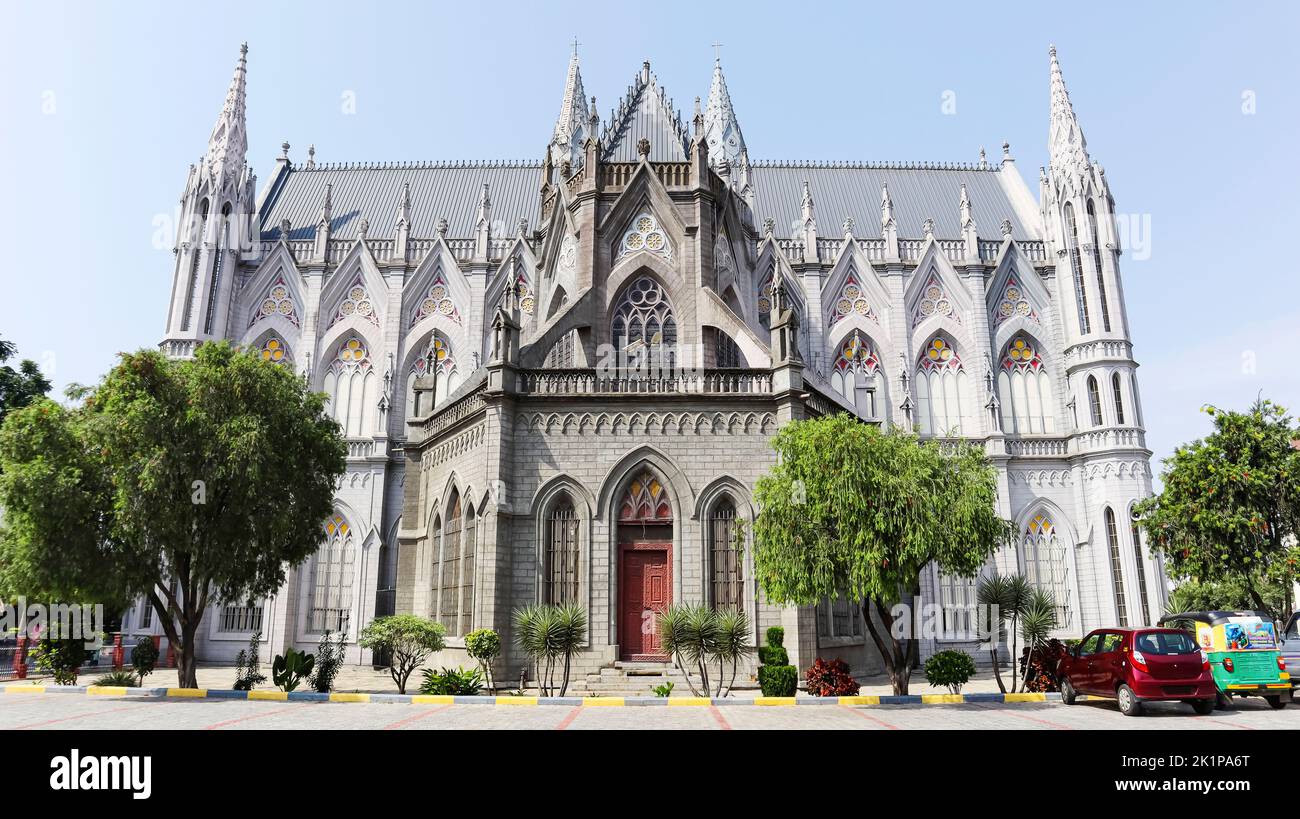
645 550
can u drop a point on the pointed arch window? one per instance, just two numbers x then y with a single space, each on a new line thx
644 319
1044 556
645 501
1094 401
469 546
856 374
560 569
333 566
645 234
561 354
726 554
1141 571
1025 390
1116 566
941 389
726 353
1076 266
437 357
275 351
352 388
1096 263
1119 398
449 586
277 302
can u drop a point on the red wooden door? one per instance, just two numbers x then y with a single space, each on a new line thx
646 591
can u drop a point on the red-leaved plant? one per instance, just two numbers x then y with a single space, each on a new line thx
830 678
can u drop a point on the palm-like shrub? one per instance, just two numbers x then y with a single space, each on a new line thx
1037 623
698 637
550 636
1011 594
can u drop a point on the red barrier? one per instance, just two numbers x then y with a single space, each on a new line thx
117 651
20 659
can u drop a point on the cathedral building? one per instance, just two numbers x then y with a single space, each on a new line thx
559 379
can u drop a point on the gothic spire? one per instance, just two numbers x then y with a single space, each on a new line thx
571 126
727 153
228 144
1067 148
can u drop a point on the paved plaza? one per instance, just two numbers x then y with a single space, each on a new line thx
79 711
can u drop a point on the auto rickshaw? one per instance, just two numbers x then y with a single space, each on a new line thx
1242 647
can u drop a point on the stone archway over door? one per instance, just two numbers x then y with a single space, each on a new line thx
645 552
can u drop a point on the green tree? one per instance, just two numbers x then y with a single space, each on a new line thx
182 481
19 387
849 509
408 639
1230 507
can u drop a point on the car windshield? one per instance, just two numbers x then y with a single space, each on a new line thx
1166 642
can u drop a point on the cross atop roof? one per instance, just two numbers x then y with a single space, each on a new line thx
717 51
575 46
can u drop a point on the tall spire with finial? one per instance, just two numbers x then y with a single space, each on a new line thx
228 144
1066 146
727 152
571 126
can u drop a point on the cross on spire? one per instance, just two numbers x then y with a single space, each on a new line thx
575 46
717 51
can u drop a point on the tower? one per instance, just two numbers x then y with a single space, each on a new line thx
1106 424
215 227
570 134
728 155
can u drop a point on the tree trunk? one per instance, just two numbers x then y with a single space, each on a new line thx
897 654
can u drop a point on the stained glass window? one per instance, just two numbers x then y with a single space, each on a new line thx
645 501
278 302
449 598
356 302
645 234
437 301
352 388
857 365
330 606
524 295
1014 302
644 317
934 302
445 366
1045 563
852 299
1025 390
274 350
941 389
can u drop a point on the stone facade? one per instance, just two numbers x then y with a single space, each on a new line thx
559 380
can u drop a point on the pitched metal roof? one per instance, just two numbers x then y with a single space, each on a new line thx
918 192
438 191
646 112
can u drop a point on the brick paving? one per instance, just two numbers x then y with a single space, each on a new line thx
75 711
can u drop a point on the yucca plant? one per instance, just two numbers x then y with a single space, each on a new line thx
732 643
1037 623
549 634
1011 594
697 636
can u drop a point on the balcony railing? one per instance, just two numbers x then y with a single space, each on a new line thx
637 382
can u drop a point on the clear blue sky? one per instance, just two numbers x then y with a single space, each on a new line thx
106 105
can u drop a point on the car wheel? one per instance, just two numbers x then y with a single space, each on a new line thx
1068 694
1203 707
1222 701
1276 703
1128 702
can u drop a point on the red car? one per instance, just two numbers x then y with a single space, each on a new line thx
1134 665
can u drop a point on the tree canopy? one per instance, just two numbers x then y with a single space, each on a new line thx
852 510
1230 506
19 387
184 481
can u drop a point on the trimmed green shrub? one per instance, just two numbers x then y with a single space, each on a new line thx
778 680
407 639
949 669
118 678
484 646
144 657
776 677
455 681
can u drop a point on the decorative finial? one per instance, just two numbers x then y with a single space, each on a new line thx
769 227
984 160
285 227
927 228
284 149
243 49
848 225
442 228
1006 150
523 227
643 145
575 46
1006 227
311 156
1051 50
